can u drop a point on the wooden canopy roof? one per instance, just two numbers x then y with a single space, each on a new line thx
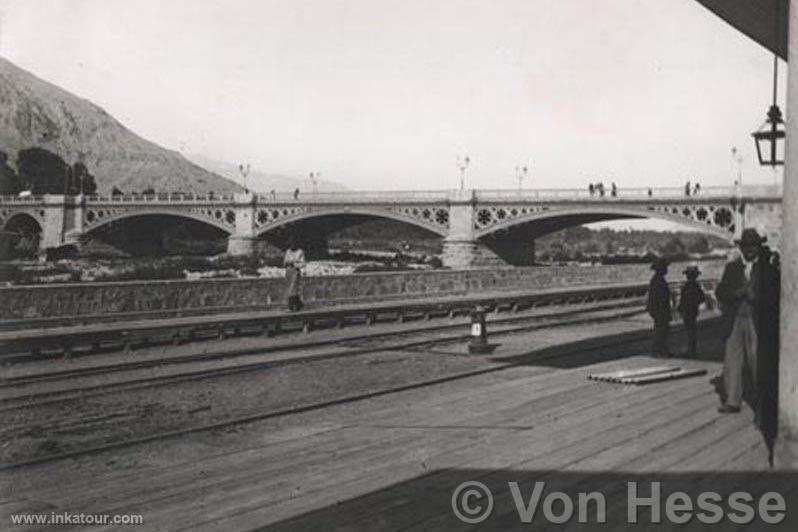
764 21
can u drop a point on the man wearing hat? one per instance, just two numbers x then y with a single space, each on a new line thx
659 306
690 299
748 294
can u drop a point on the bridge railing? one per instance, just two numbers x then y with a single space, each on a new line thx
162 197
621 194
18 199
371 196
432 196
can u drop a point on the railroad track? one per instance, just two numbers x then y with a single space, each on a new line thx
26 344
32 391
626 339
361 344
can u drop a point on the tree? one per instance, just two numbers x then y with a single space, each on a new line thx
116 192
9 181
149 191
42 171
82 180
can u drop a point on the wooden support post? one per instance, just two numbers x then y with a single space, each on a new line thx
786 448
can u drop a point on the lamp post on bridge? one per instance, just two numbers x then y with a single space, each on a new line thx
244 171
520 174
738 160
462 164
314 179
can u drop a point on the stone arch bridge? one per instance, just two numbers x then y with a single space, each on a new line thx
478 227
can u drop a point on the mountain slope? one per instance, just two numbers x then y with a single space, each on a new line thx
263 182
34 112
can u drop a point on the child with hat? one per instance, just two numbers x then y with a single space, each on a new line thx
689 301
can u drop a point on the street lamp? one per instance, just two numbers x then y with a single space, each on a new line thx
773 131
738 159
462 164
520 174
314 179
244 171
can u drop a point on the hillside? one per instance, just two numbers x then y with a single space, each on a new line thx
34 112
263 182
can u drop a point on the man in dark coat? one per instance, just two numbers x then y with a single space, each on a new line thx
748 294
690 299
659 306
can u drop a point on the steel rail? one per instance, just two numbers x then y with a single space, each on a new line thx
62 375
129 336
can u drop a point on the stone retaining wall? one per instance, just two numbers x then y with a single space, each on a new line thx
69 300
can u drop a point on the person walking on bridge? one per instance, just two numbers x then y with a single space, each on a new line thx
690 299
294 261
659 306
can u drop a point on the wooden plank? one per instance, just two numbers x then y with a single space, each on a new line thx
512 456
678 374
150 485
628 373
510 403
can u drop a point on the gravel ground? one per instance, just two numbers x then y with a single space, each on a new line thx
76 423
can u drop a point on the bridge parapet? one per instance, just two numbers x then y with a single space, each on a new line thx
7 200
427 196
159 199
368 197
628 194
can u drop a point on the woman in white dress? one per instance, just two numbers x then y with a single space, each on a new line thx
294 261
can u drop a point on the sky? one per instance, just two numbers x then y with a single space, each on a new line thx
387 94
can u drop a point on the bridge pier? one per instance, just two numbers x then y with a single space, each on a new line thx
242 240
461 249
765 217
53 226
241 245
465 254
74 217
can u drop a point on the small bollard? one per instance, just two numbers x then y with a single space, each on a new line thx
479 332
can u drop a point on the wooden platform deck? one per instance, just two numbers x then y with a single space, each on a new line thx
392 463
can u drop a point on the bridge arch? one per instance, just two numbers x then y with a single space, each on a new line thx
432 219
718 220
23 221
154 233
98 218
20 235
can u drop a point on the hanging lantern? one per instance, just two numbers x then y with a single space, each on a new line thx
770 139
